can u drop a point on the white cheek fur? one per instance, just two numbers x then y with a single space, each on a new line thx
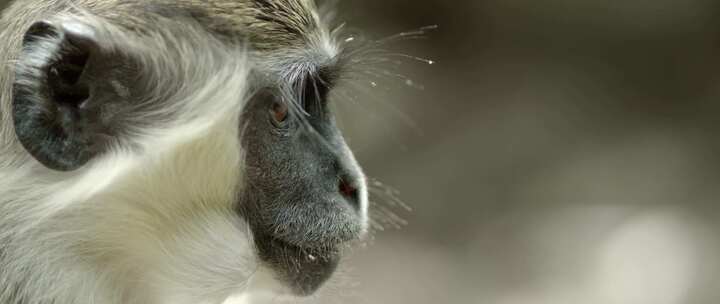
157 228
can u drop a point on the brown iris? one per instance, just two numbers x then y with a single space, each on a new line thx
279 112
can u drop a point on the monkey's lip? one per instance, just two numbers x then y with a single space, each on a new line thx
310 242
330 223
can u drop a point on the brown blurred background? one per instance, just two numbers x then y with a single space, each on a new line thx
562 151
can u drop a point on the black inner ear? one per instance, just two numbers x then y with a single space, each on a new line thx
64 75
50 104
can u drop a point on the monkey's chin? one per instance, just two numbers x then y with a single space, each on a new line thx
303 270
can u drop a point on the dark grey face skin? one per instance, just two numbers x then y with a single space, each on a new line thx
301 197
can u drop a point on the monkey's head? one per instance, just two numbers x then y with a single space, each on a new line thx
181 141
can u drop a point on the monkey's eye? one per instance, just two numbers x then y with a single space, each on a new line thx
279 113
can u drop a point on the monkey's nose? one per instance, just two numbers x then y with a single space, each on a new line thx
349 191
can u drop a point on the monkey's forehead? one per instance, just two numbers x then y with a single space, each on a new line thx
267 24
270 24
289 38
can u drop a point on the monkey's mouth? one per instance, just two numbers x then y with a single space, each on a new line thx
324 222
304 270
301 239
304 250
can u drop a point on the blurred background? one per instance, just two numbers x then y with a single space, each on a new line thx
557 151
562 151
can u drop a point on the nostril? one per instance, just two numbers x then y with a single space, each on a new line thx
349 191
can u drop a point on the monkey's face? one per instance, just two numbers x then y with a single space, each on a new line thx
304 193
171 143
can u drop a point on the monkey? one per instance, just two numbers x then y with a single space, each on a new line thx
172 151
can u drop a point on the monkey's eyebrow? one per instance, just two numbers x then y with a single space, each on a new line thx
314 84
324 76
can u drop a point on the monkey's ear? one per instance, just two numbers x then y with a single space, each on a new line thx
53 112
